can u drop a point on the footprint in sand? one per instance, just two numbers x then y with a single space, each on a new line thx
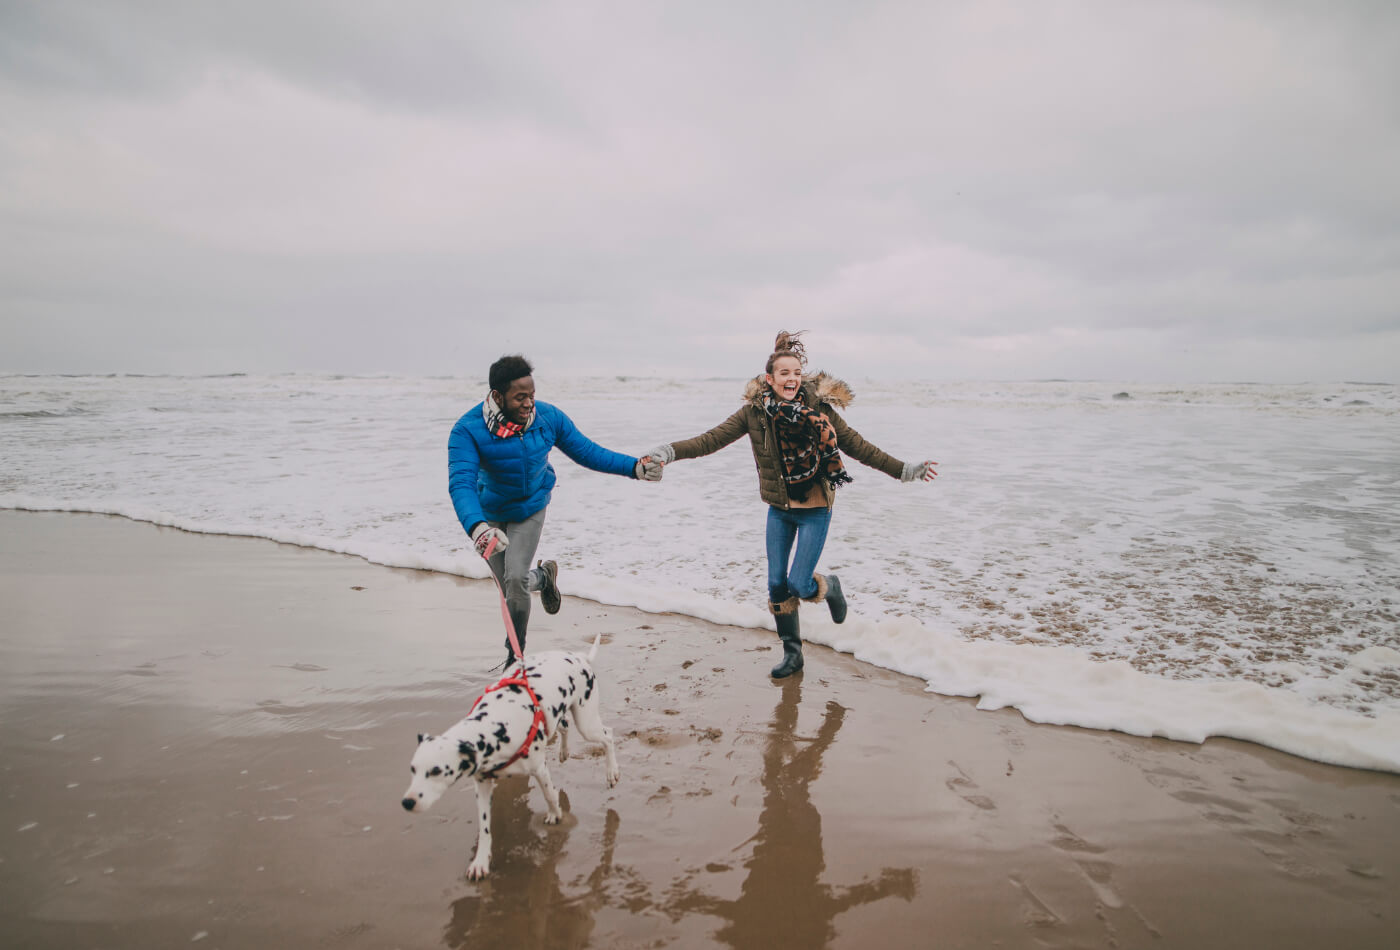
1069 841
1013 739
1034 912
1280 833
1099 874
965 788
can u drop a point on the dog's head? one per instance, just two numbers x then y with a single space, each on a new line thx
437 763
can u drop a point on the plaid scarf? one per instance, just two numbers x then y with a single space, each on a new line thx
496 422
806 445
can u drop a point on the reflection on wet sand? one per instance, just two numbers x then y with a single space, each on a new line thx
523 903
782 902
204 742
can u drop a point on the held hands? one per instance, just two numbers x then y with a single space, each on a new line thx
918 471
482 536
664 453
650 466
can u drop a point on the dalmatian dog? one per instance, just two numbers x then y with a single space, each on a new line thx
491 741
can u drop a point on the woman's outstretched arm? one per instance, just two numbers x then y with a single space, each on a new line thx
705 443
855 445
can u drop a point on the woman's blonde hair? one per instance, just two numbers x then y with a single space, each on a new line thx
787 344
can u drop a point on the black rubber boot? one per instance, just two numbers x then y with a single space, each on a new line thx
785 616
835 600
829 590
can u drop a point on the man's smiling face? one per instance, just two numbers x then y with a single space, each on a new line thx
518 401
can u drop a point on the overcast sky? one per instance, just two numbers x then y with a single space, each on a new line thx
1100 190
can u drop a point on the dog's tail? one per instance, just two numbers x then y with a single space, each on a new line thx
593 652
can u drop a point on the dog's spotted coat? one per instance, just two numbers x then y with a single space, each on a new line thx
482 745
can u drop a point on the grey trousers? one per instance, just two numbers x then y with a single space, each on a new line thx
512 568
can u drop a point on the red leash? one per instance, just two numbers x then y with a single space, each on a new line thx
514 678
505 611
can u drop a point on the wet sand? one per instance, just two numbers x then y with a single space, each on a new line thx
204 740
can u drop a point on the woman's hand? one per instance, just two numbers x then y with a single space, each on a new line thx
920 471
663 454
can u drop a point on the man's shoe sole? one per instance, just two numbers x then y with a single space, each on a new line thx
549 590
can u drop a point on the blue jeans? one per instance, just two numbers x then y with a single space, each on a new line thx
806 526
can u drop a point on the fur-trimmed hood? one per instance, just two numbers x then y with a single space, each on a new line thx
816 389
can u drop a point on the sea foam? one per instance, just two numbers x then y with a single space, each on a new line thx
1182 561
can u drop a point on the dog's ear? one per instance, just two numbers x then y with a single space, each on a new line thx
421 737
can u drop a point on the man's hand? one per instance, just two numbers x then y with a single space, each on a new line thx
483 534
648 469
918 471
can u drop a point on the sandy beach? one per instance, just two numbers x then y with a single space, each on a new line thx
204 740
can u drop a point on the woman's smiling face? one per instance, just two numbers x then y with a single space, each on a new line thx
786 377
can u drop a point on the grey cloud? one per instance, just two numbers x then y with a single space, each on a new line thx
270 183
415 56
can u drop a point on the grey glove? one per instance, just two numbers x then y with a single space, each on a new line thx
914 471
648 469
665 453
482 535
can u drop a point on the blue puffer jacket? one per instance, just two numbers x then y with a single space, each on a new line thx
500 479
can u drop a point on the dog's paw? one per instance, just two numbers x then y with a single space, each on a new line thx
614 776
553 819
478 869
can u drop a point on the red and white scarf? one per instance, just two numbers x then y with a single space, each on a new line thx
496 422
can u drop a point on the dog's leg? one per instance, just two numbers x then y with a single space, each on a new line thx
590 726
551 794
481 864
563 738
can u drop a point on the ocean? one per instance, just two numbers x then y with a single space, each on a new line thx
1182 561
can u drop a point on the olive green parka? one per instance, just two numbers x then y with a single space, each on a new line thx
822 392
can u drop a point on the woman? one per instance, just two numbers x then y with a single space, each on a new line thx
797 439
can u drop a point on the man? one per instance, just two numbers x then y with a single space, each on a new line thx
500 479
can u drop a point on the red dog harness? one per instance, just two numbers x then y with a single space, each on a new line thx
539 725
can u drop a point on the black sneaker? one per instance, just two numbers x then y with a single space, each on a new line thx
549 593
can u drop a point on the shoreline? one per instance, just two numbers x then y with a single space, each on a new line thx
236 716
1046 683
